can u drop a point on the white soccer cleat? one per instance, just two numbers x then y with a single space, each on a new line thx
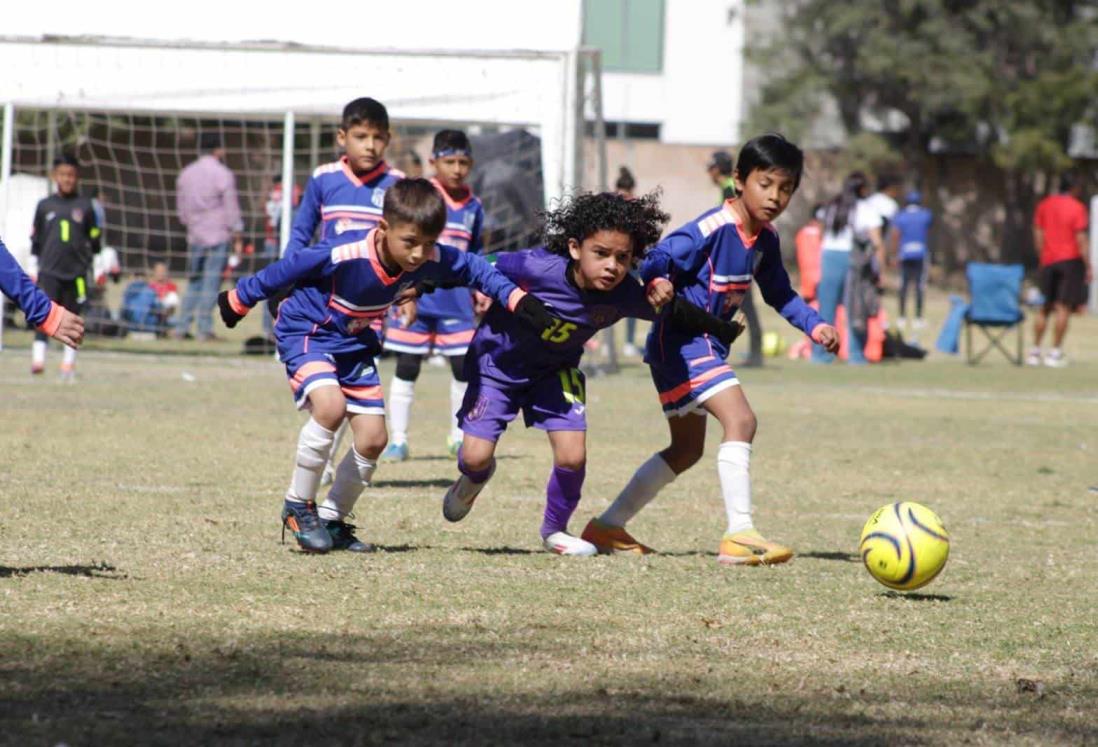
1056 359
1033 357
563 543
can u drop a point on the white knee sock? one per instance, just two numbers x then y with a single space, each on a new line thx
314 444
401 394
68 358
352 475
457 396
38 353
649 479
733 468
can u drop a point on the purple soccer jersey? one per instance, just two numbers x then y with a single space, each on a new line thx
512 368
507 352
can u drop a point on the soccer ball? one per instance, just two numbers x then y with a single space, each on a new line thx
904 545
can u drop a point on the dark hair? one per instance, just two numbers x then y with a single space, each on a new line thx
837 212
885 181
413 157
209 141
447 139
365 111
66 159
415 201
721 160
770 151
1067 181
625 181
586 214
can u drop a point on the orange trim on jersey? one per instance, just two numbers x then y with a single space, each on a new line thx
747 239
362 392
405 335
375 260
373 314
53 319
686 387
312 368
703 359
450 201
513 300
455 338
236 304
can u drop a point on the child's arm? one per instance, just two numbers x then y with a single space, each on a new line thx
475 272
306 218
778 292
682 252
315 261
49 317
681 314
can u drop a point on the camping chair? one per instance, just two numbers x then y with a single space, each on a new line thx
994 308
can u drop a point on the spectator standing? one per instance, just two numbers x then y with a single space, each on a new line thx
1060 235
207 204
909 237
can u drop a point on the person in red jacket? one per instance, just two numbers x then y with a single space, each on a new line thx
1060 235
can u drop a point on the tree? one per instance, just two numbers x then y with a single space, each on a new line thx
1005 80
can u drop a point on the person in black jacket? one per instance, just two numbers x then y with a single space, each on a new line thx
64 242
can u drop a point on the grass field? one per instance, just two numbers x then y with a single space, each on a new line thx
145 598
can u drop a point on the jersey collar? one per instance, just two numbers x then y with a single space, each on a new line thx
369 176
450 201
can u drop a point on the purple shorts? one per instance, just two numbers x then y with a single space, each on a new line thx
552 403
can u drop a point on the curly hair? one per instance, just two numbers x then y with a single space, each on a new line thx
585 214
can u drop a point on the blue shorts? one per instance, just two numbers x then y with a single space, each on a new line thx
354 373
685 381
552 403
445 336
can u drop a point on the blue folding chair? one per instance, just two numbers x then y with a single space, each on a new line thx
994 308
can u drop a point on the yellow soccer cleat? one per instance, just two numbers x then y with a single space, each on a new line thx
610 539
751 548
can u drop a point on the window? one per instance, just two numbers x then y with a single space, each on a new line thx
629 33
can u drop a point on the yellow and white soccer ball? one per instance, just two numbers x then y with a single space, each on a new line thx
904 545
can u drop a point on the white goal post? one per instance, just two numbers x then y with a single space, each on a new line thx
118 101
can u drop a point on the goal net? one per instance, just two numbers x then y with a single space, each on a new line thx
133 114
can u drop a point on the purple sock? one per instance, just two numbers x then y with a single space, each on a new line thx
476 475
562 495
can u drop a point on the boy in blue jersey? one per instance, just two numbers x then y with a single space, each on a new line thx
446 319
910 230
326 341
48 316
711 262
582 276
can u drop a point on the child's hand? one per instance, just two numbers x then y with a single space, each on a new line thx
70 329
481 303
409 310
660 291
533 313
826 335
229 315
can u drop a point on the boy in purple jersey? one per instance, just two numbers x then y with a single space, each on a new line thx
711 262
326 341
446 319
582 277
48 316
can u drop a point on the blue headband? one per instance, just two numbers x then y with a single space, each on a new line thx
444 152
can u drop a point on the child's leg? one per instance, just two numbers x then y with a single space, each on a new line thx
686 448
314 444
562 493
38 352
402 394
357 466
458 385
742 544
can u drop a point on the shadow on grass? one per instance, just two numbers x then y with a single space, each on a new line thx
502 550
437 482
848 557
94 570
914 596
394 686
448 458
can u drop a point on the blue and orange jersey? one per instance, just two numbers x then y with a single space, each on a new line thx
36 305
912 225
340 286
338 201
712 262
464 220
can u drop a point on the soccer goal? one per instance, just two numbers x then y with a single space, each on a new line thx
133 113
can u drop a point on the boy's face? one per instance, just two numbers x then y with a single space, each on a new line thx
65 177
766 192
602 260
452 171
160 272
406 245
364 144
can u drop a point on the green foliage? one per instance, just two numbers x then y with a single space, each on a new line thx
1006 79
